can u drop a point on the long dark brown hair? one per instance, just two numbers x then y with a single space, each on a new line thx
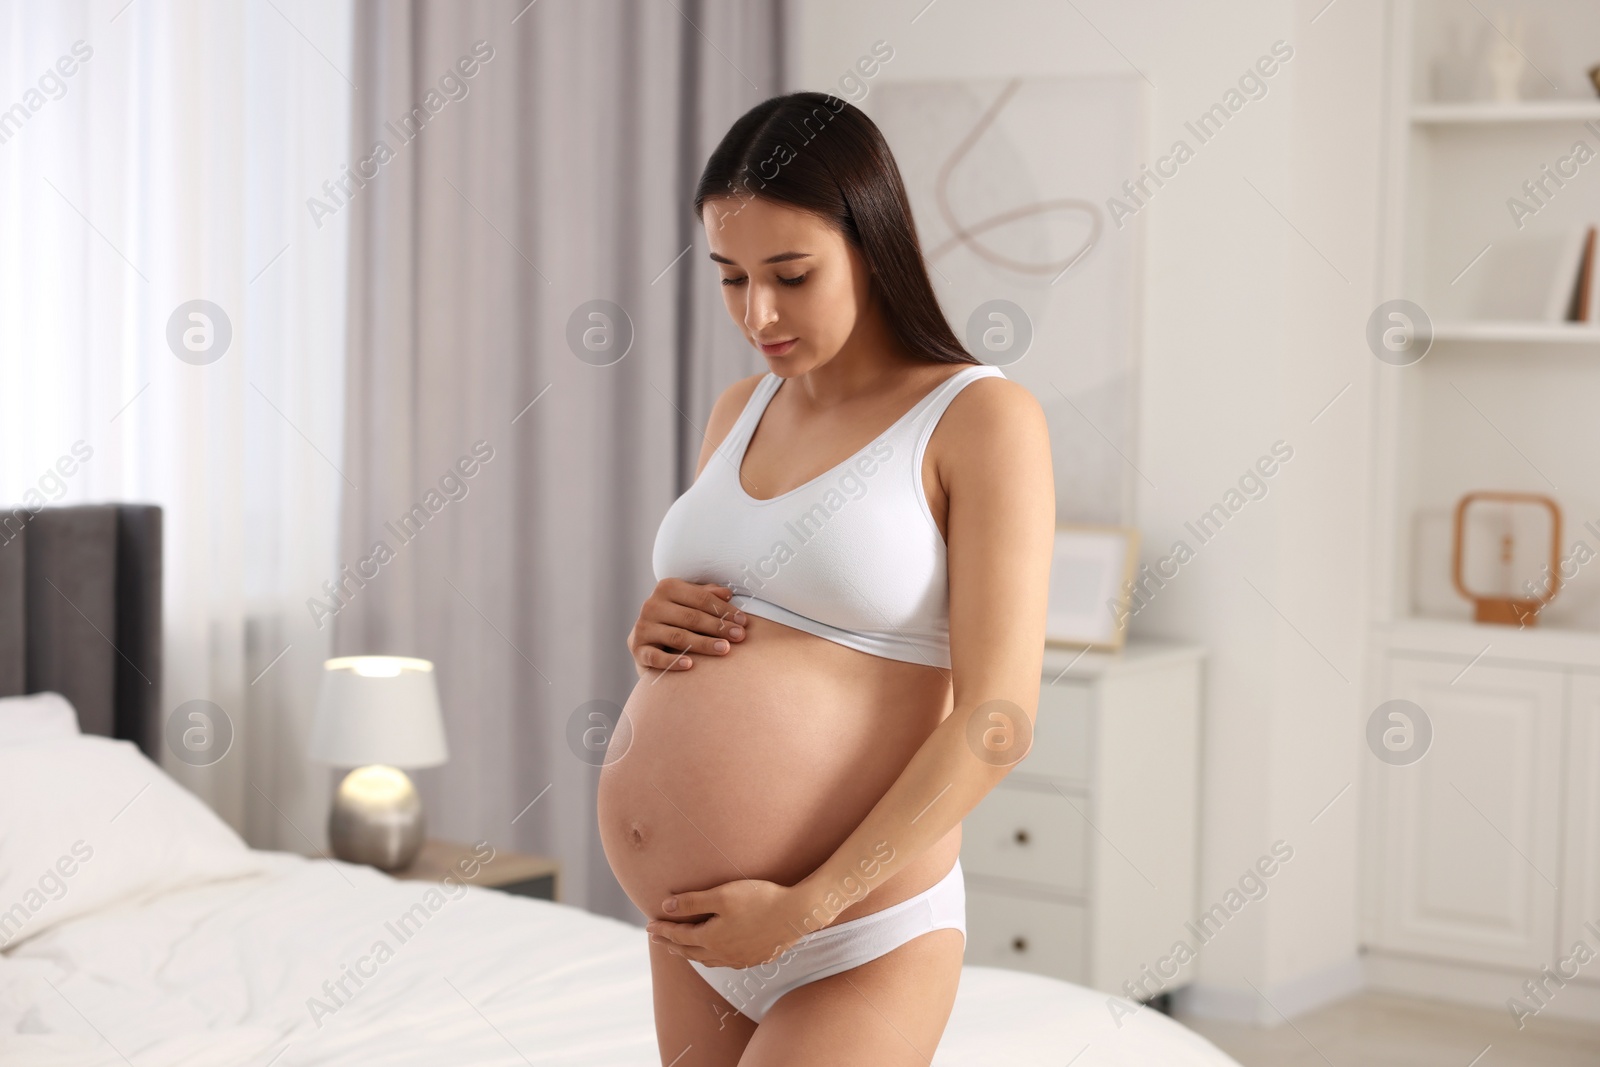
821 154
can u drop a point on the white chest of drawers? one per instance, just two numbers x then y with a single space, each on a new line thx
1082 863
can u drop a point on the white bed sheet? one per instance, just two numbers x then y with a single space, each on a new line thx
222 974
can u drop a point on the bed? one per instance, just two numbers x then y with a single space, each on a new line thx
137 928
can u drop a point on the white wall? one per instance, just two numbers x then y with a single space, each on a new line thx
1255 300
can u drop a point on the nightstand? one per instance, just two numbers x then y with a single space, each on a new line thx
509 872
1082 863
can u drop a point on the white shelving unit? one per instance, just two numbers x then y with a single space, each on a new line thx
1533 334
1483 856
1530 111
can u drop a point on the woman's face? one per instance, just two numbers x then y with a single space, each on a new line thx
815 294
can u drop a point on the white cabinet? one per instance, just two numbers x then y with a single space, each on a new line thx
1581 867
1471 831
1483 856
1081 864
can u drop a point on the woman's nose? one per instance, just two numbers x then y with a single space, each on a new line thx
761 310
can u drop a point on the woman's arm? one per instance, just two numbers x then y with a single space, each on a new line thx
995 464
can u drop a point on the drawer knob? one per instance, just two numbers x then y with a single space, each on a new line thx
1022 837
1019 944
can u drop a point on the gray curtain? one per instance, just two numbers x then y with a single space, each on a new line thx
495 189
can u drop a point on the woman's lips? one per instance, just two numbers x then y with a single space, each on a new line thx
779 349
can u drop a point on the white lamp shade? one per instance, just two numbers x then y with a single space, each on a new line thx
378 709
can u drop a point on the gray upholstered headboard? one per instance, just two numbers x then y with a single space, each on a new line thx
80 613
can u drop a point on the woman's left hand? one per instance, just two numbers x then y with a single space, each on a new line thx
747 922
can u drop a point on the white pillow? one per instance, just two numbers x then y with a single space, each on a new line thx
88 821
36 716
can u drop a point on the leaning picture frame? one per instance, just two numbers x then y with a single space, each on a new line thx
1091 576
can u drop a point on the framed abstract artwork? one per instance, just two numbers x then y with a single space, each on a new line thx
1019 190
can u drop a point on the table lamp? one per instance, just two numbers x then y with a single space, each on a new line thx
377 714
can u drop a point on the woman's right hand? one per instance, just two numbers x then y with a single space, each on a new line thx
681 617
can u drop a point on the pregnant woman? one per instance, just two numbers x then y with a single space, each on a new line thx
842 654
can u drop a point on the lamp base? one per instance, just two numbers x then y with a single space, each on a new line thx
377 818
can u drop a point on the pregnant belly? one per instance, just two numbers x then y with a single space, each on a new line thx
759 763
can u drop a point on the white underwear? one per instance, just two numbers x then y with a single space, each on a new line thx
824 952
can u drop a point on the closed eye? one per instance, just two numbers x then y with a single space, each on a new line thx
796 280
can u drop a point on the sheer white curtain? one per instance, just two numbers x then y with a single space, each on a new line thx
155 153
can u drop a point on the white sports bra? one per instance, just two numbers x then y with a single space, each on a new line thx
853 555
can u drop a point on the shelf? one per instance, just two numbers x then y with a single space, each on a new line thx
1073 664
1519 332
1455 639
1487 112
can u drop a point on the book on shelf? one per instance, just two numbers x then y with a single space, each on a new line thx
1545 278
1580 302
1531 287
